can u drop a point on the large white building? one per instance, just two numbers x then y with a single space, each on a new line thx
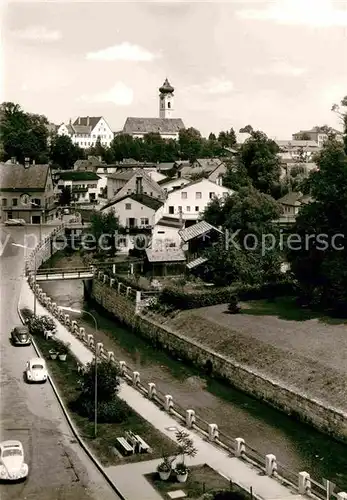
190 201
85 131
166 125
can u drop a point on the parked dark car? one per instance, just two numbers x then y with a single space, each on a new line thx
20 335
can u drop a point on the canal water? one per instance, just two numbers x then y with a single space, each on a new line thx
296 445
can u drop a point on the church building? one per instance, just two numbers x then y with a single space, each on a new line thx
167 126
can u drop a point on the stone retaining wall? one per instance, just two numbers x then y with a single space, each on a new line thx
329 420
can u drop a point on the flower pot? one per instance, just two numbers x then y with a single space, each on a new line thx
53 354
164 474
182 478
62 357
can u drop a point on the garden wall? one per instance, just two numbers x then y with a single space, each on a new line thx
326 419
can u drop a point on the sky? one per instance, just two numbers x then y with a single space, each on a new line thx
278 65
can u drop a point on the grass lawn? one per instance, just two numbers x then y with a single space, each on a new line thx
285 308
201 479
65 376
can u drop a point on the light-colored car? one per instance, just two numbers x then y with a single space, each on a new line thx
36 370
15 222
12 465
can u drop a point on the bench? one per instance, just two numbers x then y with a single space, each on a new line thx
144 446
125 446
139 444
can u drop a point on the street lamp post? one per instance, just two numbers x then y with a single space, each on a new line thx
81 311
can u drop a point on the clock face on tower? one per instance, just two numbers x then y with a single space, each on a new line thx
25 199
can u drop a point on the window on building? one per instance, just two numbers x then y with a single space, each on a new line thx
171 210
211 195
196 209
198 195
15 202
122 242
169 104
9 215
188 209
36 202
184 195
4 202
161 232
128 206
144 221
179 210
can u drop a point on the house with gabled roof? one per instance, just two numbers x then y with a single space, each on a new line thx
190 201
135 181
166 125
26 192
134 210
292 202
86 130
84 185
210 168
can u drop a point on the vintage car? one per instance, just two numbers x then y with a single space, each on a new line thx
20 335
36 370
15 222
12 465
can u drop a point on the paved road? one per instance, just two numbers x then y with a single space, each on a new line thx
59 469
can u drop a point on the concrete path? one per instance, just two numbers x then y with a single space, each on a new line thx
130 477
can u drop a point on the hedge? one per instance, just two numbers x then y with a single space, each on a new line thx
180 299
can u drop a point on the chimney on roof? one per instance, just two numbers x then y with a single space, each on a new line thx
13 160
26 162
138 185
79 120
70 121
87 121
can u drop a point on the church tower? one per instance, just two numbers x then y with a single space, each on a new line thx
166 100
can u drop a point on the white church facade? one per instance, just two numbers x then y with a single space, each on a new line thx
166 125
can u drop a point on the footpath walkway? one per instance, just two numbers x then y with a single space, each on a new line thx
130 477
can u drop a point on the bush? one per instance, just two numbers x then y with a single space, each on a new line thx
180 299
114 411
38 325
233 306
267 291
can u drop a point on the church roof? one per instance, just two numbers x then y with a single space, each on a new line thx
152 125
166 87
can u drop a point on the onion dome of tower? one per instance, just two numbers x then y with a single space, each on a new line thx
166 88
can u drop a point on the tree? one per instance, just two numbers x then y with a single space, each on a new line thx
248 129
23 135
259 156
104 227
227 139
319 260
250 248
108 381
64 153
190 143
341 110
236 175
98 149
153 147
65 196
